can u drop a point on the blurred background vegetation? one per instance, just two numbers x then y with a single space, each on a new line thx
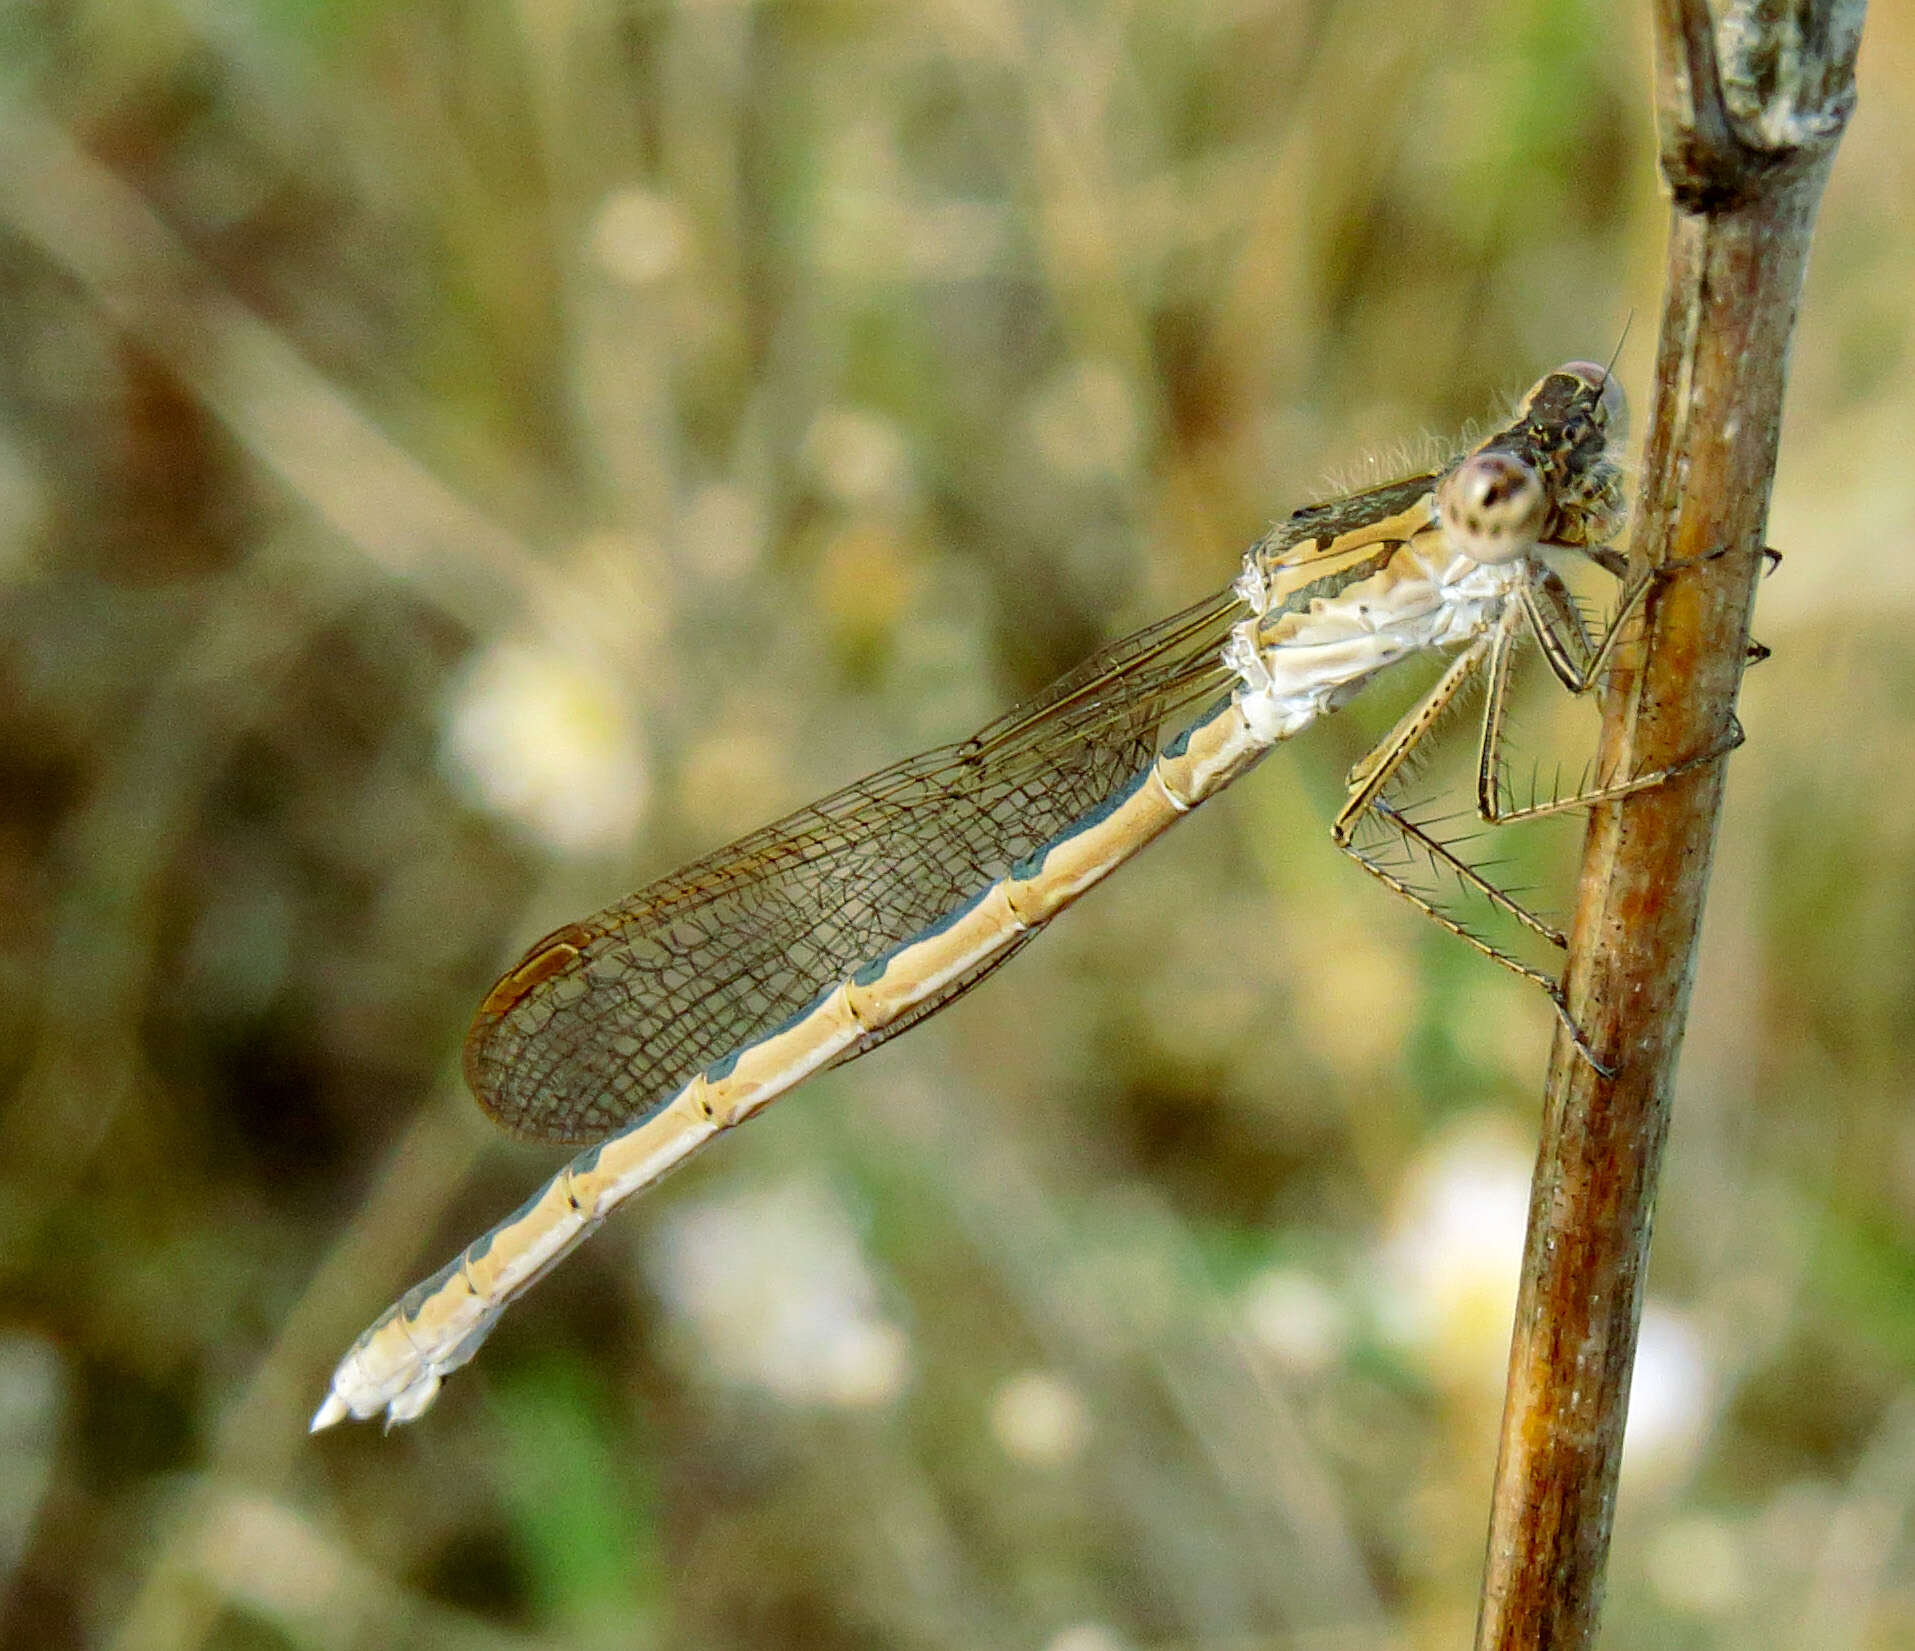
459 459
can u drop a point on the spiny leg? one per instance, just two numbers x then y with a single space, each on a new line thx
1577 660
1489 783
1558 627
1371 773
1443 858
1440 854
1371 776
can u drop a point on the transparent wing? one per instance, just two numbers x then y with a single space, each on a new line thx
605 1019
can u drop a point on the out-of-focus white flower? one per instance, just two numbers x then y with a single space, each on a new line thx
266 1554
1298 1320
638 237
1450 1260
721 531
1085 1636
1697 1565
1085 421
539 737
1672 1394
859 458
1040 1419
1448 1273
774 1289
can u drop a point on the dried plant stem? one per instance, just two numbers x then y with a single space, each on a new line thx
1746 147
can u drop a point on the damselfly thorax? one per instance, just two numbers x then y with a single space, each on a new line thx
651 1026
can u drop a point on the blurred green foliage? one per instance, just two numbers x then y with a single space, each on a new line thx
458 460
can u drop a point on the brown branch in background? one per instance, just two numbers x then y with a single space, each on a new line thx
1747 139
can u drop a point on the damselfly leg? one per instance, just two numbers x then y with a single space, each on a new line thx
1546 610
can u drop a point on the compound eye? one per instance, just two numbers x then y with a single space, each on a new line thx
1612 405
1491 507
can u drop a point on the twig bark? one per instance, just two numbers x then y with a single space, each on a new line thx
1750 109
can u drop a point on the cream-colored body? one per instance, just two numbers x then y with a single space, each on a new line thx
1320 617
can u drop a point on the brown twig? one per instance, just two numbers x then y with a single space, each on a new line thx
1751 109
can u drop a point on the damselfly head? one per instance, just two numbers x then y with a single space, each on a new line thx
1491 507
1579 391
1572 417
1564 444
1579 419
1611 409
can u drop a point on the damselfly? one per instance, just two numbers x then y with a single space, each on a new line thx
682 1010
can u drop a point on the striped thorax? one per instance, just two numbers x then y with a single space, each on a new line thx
1343 590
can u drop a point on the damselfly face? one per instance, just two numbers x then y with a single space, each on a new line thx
1550 476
